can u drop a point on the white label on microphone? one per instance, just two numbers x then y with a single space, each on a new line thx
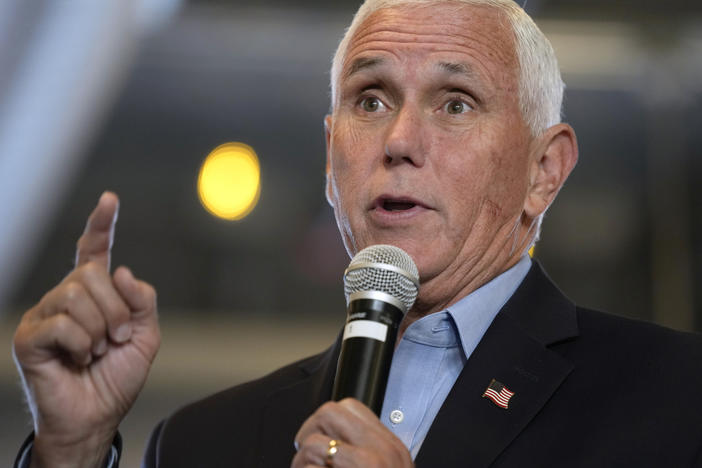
366 329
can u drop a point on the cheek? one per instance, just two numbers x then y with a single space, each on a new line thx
507 175
348 170
506 168
347 146
354 158
488 181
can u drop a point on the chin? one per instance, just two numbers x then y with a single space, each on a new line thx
420 253
411 247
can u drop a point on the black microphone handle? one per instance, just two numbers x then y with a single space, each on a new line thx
364 363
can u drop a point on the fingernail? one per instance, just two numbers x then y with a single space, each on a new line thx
100 348
123 333
297 445
88 359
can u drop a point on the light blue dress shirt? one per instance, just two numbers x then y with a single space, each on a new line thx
428 359
433 351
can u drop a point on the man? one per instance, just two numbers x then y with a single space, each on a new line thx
444 140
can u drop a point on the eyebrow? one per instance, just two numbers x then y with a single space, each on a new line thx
362 64
458 69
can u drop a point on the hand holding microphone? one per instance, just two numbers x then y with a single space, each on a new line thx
381 285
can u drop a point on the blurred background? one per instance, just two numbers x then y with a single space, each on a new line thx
133 95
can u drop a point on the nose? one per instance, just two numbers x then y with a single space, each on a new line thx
403 142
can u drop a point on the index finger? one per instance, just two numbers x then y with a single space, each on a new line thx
96 241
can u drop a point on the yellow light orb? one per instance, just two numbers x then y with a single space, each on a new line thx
229 182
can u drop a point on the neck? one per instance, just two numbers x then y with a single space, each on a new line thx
452 285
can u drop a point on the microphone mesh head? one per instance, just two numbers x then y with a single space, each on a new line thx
375 268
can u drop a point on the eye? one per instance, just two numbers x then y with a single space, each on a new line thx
455 106
371 104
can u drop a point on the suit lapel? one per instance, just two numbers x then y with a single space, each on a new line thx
288 407
471 429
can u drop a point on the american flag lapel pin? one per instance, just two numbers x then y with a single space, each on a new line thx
498 393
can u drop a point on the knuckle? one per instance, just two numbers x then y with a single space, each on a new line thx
93 240
329 406
349 402
64 326
72 291
91 268
327 416
325 412
61 324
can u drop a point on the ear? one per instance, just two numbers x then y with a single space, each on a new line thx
327 135
554 155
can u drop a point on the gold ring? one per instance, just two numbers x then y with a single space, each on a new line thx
331 451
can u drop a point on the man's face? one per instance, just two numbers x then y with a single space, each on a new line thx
426 147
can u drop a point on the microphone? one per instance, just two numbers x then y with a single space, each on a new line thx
381 285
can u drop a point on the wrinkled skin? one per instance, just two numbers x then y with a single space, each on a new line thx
427 150
85 349
427 112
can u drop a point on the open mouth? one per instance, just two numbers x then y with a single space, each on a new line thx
397 205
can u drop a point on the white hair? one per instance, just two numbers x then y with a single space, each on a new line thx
540 84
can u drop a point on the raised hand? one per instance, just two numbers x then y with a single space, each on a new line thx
84 351
347 434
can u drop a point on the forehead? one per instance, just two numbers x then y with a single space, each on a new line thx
477 35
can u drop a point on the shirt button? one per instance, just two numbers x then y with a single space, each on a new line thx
397 416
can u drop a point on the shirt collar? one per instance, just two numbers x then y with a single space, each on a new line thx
466 321
474 313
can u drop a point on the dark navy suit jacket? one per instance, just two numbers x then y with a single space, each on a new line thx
590 390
